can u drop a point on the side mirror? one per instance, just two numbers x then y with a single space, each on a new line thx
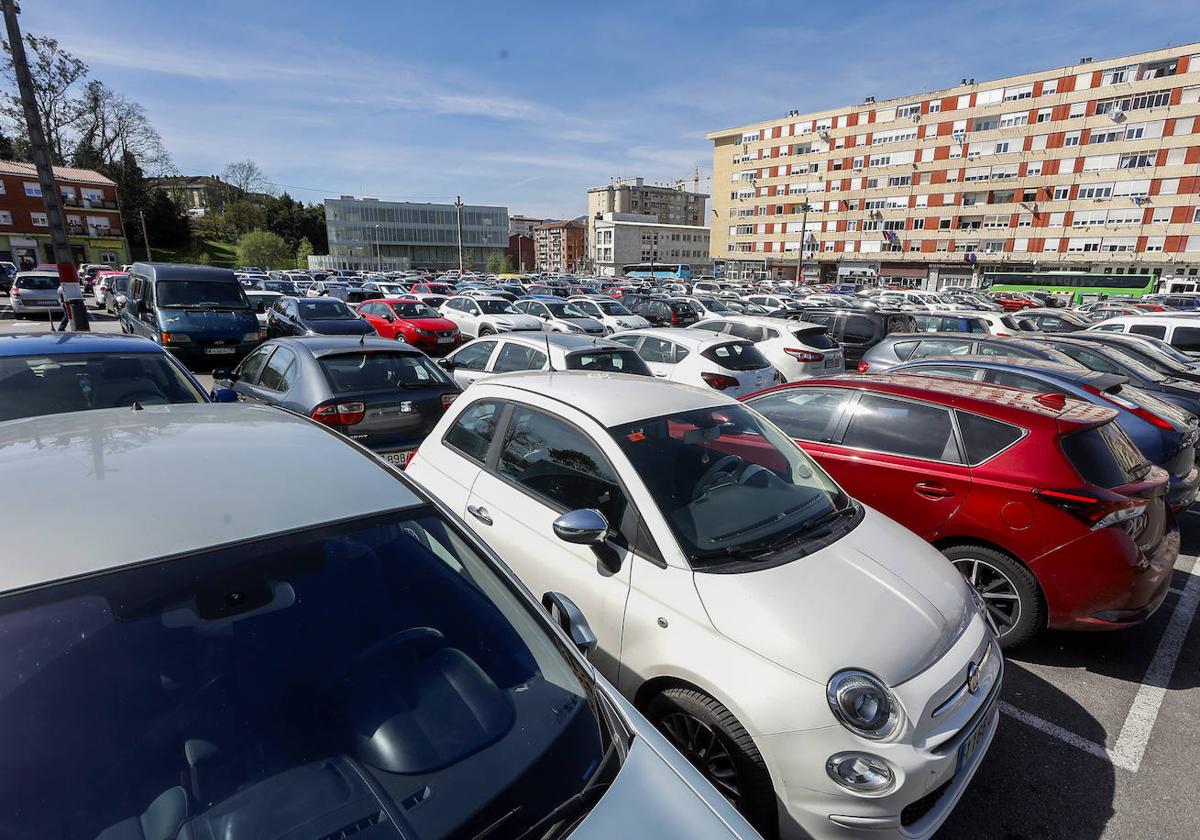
566 615
446 363
141 307
224 395
224 375
585 526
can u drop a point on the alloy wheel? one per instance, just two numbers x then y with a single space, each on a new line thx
999 593
701 745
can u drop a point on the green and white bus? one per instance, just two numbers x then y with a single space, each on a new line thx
1081 286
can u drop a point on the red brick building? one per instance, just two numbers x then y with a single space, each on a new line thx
90 207
560 246
520 250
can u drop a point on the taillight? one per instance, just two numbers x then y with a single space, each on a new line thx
339 414
719 381
674 320
1097 513
1131 407
803 355
447 399
15 291
863 367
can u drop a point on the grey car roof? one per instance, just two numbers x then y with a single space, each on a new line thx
696 339
94 490
566 342
611 398
788 324
318 346
179 271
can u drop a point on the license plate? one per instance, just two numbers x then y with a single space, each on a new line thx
219 351
447 340
969 747
398 459
834 362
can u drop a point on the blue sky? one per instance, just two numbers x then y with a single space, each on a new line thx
528 104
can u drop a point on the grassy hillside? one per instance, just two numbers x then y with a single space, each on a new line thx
218 253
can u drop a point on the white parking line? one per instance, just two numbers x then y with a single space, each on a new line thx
1139 723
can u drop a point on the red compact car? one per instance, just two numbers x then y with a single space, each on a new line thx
412 320
1012 301
1041 501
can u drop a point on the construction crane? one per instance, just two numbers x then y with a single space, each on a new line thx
681 183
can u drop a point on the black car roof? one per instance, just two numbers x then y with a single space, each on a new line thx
178 271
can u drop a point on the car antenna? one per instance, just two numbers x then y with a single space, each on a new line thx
549 357
362 340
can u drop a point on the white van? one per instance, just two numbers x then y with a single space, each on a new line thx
1179 330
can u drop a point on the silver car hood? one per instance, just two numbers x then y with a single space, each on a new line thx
518 321
880 598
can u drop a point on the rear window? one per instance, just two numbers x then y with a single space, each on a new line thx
1186 338
616 361
379 371
1008 322
983 437
42 284
1156 330
736 356
901 323
681 307
1104 456
904 349
816 339
977 325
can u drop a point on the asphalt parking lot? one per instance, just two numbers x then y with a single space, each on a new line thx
1099 730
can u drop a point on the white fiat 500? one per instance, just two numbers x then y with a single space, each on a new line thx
825 668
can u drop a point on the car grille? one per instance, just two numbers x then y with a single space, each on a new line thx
445 333
914 811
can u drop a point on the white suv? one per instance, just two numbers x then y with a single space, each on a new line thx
827 669
796 349
609 312
724 363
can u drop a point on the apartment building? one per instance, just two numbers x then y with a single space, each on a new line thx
366 233
1093 167
90 210
560 246
668 205
621 239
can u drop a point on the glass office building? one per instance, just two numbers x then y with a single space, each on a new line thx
386 235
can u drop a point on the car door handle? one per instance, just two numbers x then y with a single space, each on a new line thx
480 513
930 490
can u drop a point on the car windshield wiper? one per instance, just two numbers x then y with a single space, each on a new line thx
561 819
808 528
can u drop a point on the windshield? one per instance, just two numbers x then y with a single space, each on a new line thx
564 310
713 305
284 287
325 309
612 308
235 693
496 307
731 486
34 385
200 294
376 371
413 310
390 288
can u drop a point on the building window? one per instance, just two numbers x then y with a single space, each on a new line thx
1071 138
918 224
1061 193
33 189
1078 109
1043 114
5 217
39 220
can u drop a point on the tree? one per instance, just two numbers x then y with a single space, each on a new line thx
507 266
246 176
55 73
112 127
242 216
264 249
303 252
494 264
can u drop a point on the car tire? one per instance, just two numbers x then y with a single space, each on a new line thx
484 331
1003 580
710 737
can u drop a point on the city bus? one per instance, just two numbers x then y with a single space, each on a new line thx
1082 287
658 271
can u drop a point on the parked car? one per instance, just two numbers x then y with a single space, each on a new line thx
34 292
1175 300
654 505
916 300
665 312
613 315
196 312
558 315
103 283
776 305
724 363
117 293
480 316
1166 435
261 303
899 348
279 285
509 352
858 332
427 288
388 290
707 306
378 392
204 647
53 373
960 322
1181 331
1050 320
329 288
8 273
409 320
796 349
969 466
314 316
1013 301
1154 353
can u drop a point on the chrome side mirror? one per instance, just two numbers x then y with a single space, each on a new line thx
585 526
566 615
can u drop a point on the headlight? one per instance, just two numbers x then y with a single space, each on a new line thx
574 328
860 772
420 331
863 704
253 336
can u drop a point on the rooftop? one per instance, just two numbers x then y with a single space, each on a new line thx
61 173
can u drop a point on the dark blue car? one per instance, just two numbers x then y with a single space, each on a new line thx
54 373
197 312
1166 434
315 316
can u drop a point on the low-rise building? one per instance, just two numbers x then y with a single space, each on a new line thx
560 246
621 239
198 194
90 209
523 225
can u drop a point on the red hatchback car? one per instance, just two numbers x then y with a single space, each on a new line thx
1041 501
1013 301
412 320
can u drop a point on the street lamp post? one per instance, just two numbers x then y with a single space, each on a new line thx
458 206
378 253
804 208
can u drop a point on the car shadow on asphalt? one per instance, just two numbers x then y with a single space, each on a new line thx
1031 786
